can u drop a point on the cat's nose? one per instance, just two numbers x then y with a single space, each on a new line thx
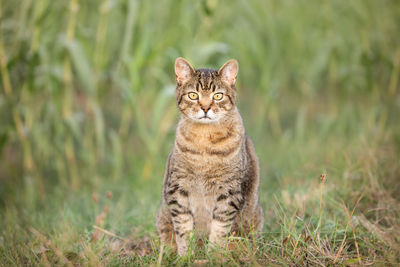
205 108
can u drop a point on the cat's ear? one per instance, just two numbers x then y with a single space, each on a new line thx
183 70
229 71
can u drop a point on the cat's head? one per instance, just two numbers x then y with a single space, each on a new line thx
205 95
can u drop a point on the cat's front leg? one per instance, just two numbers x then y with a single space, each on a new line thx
183 227
182 218
227 207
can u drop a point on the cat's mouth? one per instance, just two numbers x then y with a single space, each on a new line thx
205 119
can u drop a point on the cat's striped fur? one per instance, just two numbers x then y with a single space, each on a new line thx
212 174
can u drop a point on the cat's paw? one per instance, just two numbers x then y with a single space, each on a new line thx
182 250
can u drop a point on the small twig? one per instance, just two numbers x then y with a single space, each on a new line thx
109 233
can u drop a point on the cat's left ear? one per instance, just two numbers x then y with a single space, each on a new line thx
229 71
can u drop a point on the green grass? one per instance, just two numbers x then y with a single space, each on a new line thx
87 107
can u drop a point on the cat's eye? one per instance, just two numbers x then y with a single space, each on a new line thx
218 96
193 95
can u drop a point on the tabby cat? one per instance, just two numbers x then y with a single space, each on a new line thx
212 174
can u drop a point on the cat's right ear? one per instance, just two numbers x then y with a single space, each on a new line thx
183 70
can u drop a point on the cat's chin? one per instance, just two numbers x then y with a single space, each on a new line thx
205 120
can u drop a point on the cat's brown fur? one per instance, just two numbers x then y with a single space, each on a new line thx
212 174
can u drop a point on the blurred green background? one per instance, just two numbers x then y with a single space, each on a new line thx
87 106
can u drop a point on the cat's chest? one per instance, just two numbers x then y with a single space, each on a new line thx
209 151
202 202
